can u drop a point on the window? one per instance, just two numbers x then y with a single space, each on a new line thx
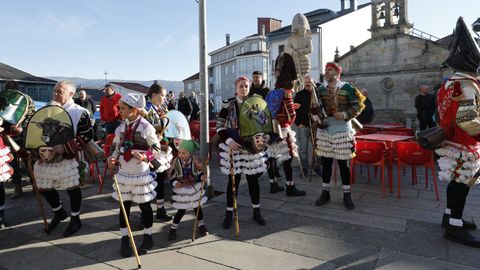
242 50
226 55
233 68
254 47
281 48
226 70
235 52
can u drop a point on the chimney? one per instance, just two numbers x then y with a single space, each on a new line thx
342 3
227 39
353 5
267 25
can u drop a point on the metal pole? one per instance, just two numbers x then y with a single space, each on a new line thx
204 139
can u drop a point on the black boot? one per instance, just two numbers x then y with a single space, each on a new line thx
162 214
275 187
467 225
227 221
18 192
294 191
3 222
462 236
258 217
147 244
172 234
324 198
202 231
74 226
125 249
347 200
57 218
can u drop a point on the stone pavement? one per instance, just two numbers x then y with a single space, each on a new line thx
381 233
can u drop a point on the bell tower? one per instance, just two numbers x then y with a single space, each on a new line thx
389 17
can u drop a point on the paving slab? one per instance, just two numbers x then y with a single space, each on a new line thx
241 255
389 260
348 216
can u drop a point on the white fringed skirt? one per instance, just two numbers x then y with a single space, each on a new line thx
337 141
63 174
135 181
244 162
187 197
5 170
458 162
280 150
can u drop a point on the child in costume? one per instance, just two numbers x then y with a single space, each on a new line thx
136 151
155 112
188 178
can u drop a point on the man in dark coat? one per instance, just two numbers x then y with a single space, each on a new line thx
258 85
184 105
425 105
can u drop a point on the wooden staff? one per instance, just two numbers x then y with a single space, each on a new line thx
37 193
235 208
207 174
122 208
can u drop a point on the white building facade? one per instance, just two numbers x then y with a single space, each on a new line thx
240 58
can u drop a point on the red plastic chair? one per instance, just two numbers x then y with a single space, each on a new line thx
412 154
373 153
106 148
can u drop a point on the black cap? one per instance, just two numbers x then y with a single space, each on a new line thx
464 51
257 72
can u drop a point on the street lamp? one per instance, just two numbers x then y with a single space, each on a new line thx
476 29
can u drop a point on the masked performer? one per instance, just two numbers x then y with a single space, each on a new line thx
246 162
155 112
342 102
282 147
458 106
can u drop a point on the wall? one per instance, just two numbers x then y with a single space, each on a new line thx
392 69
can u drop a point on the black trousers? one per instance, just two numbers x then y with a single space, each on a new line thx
160 189
456 197
287 168
327 165
2 195
253 188
181 212
147 214
75 194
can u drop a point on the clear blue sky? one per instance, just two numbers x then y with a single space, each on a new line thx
158 39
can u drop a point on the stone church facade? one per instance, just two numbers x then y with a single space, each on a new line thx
394 63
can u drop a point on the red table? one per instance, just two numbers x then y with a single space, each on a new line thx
390 140
383 126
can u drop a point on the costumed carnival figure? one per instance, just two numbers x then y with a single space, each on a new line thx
342 103
245 161
282 147
63 135
156 115
187 180
458 109
14 110
137 152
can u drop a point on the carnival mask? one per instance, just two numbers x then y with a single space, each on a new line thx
46 153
